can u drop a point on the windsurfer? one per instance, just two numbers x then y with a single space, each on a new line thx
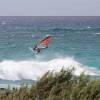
42 44
37 49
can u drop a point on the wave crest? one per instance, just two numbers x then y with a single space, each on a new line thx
32 69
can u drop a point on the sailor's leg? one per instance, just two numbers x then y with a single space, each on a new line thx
38 50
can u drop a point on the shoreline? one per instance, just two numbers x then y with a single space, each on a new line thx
4 84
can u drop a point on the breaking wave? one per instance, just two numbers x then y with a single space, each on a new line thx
32 69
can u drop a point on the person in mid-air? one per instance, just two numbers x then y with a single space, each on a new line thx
36 49
42 44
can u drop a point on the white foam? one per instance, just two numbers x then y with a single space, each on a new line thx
17 70
88 27
97 33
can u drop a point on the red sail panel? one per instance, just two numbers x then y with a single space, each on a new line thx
46 41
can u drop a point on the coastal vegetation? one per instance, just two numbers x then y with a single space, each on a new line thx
61 85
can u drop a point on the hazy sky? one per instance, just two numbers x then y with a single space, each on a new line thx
49 7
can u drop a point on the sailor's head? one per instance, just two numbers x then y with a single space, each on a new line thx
36 48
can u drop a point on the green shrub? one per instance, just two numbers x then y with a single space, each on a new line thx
61 85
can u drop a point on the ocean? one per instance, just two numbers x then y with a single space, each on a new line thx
75 43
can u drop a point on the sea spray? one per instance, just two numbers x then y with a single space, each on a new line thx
33 69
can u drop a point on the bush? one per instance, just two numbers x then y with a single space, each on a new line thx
61 85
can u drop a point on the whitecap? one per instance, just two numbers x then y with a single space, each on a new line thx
97 33
33 69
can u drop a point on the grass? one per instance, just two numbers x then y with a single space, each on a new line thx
61 85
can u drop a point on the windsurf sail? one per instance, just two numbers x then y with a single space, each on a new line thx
45 42
42 44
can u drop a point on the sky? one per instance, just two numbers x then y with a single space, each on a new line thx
49 7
